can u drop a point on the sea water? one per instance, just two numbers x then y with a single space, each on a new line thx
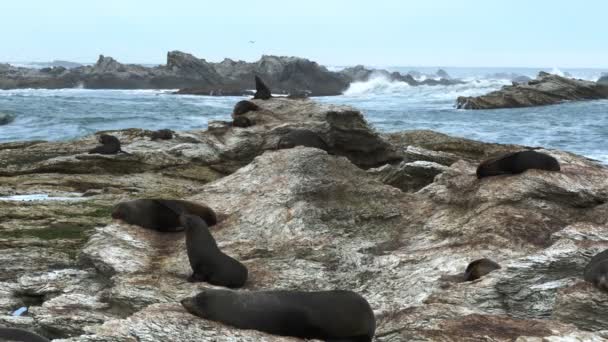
579 127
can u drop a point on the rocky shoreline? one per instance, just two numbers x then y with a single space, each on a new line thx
194 76
546 89
390 216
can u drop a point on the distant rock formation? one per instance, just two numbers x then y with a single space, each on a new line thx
360 73
186 72
603 80
546 89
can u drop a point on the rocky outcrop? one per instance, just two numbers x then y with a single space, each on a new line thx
603 80
186 72
360 73
308 219
546 89
6 118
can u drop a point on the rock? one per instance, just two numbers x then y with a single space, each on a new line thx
360 73
303 218
443 74
6 118
546 89
261 90
603 80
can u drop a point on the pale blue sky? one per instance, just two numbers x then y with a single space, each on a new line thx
535 33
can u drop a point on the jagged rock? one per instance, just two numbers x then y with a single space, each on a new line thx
443 74
302 218
546 89
360 73
603 80
409 176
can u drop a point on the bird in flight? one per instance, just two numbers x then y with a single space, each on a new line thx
252 41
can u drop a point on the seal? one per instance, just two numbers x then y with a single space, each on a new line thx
243 107
324 315
517 162
208 262
20 335
262 92
301 137
160 214
109 145
479 268
162 134
242 121
596 271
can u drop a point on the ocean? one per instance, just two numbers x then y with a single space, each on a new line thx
579 127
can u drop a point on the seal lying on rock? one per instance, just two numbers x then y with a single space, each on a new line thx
208 262
159 214
479 268
242 121
596 271
162 134
20 335
517 162
262 92
109 145
243 107
302 137
324 315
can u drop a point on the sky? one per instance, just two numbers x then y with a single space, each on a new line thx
485 33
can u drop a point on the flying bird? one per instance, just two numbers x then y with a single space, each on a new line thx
252 41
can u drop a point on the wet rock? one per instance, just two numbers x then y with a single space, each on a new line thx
6 118
546 89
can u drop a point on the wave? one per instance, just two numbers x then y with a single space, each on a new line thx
380 85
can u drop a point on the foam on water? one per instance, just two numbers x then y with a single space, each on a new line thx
38 197
580 127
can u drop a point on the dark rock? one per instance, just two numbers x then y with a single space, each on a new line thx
544 90
6 118
603 80
162 134
443 74
262 92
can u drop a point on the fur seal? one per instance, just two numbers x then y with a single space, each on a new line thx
208 262
243 107
160 214
242 121
262 92
324 315
162 134
479 268
301 137
516 162
109 145
20 335
596 271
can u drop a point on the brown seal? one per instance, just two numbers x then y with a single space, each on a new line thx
517 162
479 268
109 145
324 315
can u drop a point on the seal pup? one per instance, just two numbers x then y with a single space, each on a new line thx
596 271
162 134
262 92
208 262
160 214
479 268
517 162
325 315
243 107
109 145
301 137
20 335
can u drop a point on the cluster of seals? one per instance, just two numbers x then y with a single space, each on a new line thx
160 214
302 137
596 271
479 268
517 162
325 315
20 335
208 262
262 92
109 145
162 134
